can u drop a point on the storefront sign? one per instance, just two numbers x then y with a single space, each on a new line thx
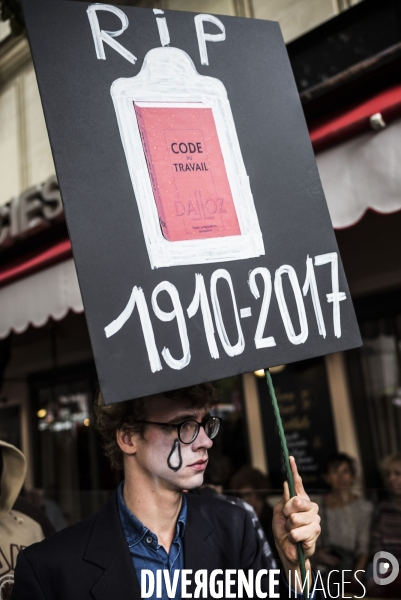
200 231
30 212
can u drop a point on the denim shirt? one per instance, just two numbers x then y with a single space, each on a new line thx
146 552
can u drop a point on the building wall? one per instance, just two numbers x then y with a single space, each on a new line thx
25 156
296 16
5 30
218 7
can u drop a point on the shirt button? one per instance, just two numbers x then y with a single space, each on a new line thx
149 540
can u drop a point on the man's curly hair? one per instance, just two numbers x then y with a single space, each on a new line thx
124 416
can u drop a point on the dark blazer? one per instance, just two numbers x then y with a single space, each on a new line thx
91 560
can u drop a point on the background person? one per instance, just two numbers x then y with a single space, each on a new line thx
21 524
386 529
162 444
38 498
253 487
346 520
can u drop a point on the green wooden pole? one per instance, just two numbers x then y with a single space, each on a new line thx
301 557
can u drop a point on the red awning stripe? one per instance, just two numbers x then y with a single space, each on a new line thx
36 262
350 123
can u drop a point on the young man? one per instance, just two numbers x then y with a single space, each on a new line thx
162 442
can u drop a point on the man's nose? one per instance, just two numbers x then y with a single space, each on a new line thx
202 440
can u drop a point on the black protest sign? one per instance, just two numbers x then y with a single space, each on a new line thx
200 232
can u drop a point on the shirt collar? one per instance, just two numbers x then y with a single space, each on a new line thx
182 518
135 531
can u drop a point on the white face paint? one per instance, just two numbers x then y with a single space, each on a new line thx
161 457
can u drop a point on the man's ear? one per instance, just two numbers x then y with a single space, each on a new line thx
126 441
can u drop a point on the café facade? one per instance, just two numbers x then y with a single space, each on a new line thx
348 402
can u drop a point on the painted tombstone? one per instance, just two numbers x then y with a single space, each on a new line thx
185 162
200 232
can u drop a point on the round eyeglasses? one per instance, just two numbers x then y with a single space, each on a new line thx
188 431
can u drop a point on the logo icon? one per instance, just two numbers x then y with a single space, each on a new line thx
385 564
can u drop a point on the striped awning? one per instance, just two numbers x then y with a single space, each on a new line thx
34 299
358 153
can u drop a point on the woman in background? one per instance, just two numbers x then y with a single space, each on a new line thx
386 530
346 520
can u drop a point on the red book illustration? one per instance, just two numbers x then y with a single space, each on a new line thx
187 171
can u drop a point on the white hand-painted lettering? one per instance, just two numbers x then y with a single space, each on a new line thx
162 27
310 283
336 296
200 299
176 313
239 347
208 37
138 298
285 315
260 341
101 37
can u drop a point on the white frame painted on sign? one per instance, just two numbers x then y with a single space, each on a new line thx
169 78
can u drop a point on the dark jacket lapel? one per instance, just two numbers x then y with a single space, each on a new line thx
108 549
199 550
